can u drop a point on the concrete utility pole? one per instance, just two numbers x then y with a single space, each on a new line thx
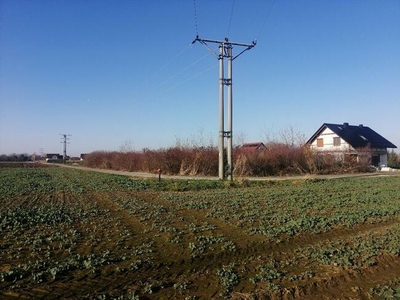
65 138
225 50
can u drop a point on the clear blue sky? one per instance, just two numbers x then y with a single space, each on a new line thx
112 72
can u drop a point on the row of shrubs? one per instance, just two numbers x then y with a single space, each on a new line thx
175 160
276 159
14 157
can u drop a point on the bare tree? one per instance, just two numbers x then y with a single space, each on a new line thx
288 136
127 146
239 138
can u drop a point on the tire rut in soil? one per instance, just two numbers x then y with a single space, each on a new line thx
349 284
170 269
179 266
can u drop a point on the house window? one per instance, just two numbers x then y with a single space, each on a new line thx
336 141
320 142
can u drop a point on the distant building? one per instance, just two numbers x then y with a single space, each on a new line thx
256 146
344 140
53 156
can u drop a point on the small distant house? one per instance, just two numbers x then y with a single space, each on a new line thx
256 146
53 156
344 140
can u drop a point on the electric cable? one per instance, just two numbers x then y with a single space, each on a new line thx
169 62
265 20
181 71
195 17
230 19
190 78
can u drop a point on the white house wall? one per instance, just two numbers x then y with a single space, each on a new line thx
383 160
327 135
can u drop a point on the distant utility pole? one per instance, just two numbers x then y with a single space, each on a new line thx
225 50
65 138
41 150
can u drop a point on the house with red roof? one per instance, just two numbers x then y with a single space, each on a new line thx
256 146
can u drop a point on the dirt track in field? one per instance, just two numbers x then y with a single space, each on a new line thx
272 178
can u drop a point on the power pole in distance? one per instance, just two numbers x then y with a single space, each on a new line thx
65 138
225 51
41 150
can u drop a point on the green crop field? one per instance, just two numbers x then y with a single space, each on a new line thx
71 234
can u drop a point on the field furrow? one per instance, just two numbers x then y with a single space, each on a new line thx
75 234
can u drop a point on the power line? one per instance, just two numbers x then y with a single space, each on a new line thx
168 63
190 78
181 71
172 86
230 18
230 21
265 20
195 17
154 99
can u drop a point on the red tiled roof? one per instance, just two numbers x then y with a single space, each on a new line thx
255 145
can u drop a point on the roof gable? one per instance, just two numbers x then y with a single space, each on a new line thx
255 146
356 136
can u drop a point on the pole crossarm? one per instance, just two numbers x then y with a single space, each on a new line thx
225 41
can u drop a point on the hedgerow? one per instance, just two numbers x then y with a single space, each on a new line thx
276 160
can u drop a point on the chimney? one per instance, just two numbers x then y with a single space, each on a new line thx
345 124
361 125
